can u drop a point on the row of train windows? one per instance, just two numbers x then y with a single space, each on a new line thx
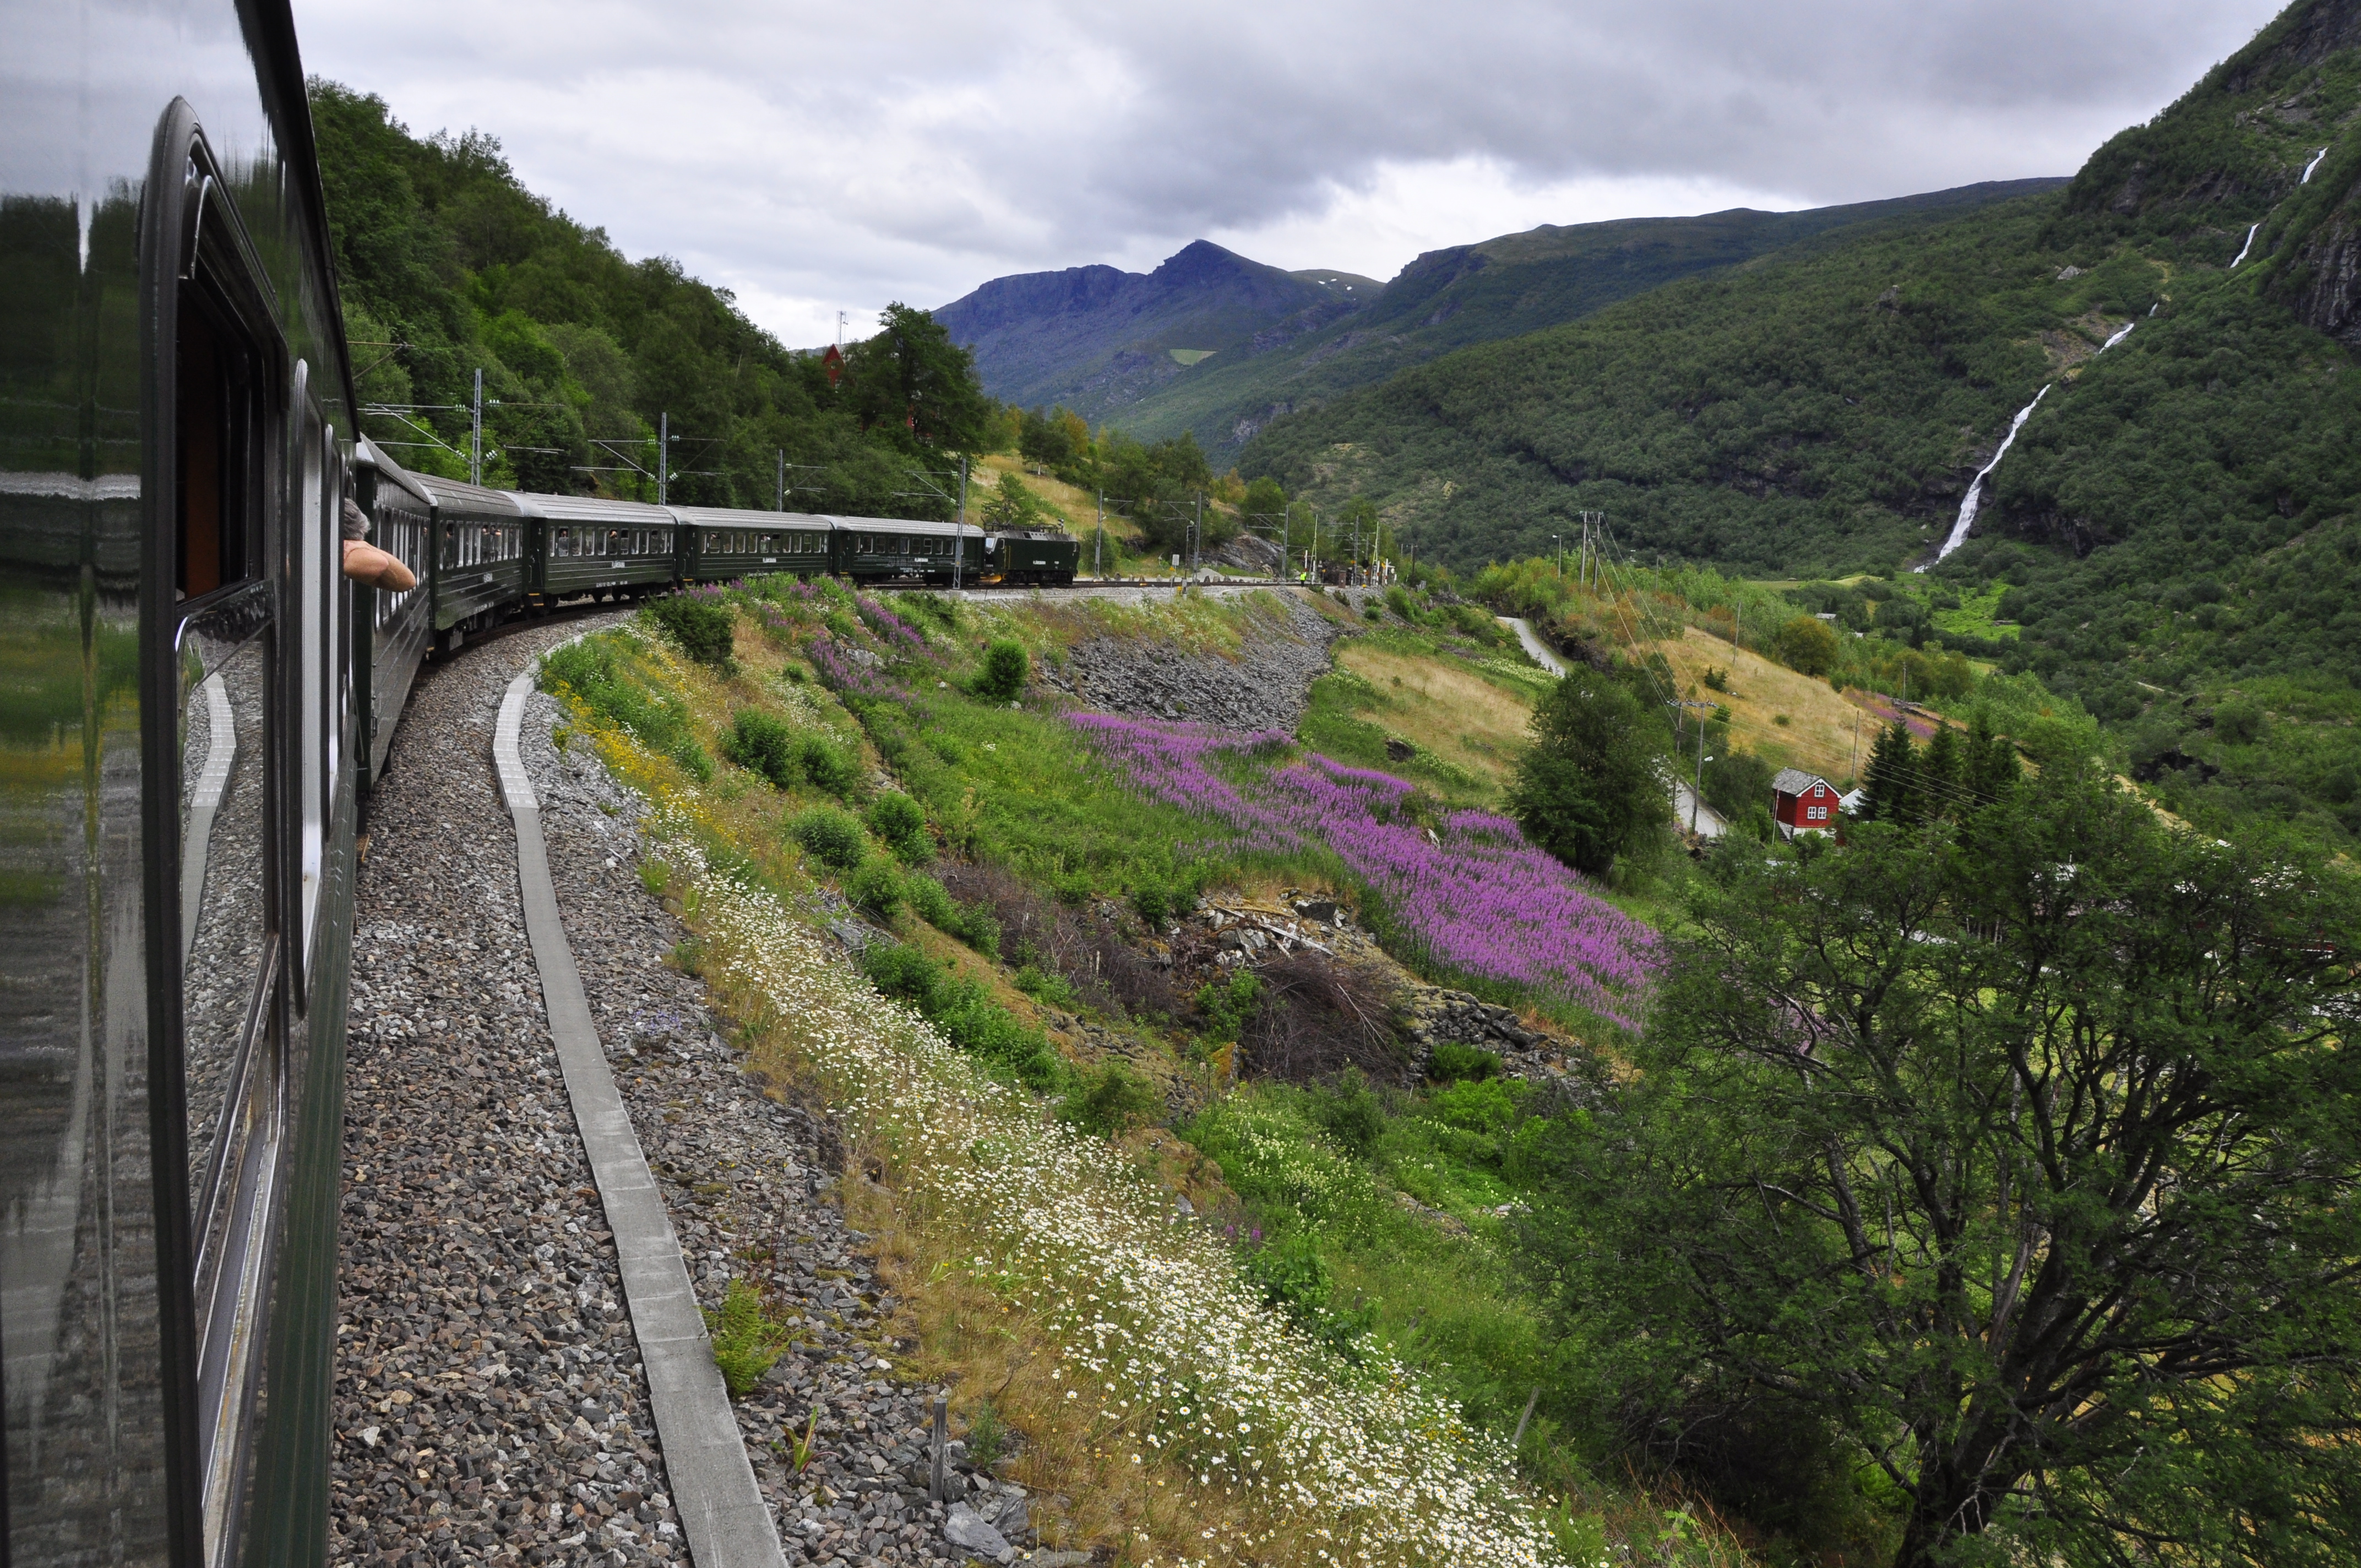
616 541
745 542
480 543
894 545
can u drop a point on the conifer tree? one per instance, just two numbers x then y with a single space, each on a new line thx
1939 784
1990 767
1890 784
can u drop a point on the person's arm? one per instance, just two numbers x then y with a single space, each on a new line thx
364 563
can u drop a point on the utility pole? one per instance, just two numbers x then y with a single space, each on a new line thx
664 455
782 478
1098 540
959 550
476 432
1697 791
1197 536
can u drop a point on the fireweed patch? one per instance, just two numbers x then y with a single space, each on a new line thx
1467 890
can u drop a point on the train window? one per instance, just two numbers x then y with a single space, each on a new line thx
216 457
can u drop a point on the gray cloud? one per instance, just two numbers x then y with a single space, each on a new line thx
813 157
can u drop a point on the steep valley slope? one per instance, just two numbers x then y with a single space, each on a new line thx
2177 517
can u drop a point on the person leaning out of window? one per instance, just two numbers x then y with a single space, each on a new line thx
364 563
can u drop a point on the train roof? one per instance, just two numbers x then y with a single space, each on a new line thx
466 499
368 453
899 525
741 516
591 509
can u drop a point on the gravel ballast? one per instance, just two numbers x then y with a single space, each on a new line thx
490 1406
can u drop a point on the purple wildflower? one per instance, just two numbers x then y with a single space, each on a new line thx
1473 895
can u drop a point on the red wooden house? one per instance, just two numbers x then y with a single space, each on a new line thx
1805 803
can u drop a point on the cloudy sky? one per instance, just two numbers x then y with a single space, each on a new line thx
817 158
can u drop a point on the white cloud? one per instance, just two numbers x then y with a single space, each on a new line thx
815 157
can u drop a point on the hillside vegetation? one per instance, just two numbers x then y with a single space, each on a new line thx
447 265
2172 535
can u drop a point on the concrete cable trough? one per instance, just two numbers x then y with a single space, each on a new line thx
722 1511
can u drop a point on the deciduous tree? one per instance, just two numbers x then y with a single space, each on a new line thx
2022 1158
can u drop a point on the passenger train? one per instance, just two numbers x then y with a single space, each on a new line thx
191 700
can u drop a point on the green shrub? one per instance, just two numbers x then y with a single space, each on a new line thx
1454 1063
970 922
1349 1112
827 766
928 901
987 1439
1399 602
831 837
1004 672
746 1343
1153 900
1477 1104
762 744
904 973
1049 987
1228 1005
876 888
974 926
900 824
704 629
1111 1099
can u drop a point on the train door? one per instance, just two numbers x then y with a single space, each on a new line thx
240 649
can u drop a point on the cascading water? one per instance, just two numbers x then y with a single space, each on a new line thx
2312 165
2247 247
2119 336
1974 497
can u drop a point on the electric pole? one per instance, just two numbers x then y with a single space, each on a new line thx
1197 536
782 478
958 552
664 455
476 434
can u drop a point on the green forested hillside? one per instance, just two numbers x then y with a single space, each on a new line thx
2177 528
448 265
1467 294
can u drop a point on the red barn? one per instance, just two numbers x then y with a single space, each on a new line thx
1804 803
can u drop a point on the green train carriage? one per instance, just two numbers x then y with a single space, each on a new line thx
720 544
584 547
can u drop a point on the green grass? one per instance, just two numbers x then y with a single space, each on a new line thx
1448 1301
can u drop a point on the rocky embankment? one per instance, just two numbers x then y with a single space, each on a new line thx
1250 932
1284 650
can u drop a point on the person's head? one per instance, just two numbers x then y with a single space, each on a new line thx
357 522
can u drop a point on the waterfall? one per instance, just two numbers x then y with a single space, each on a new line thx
1974 497
2125 333
2245 248
2312 165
